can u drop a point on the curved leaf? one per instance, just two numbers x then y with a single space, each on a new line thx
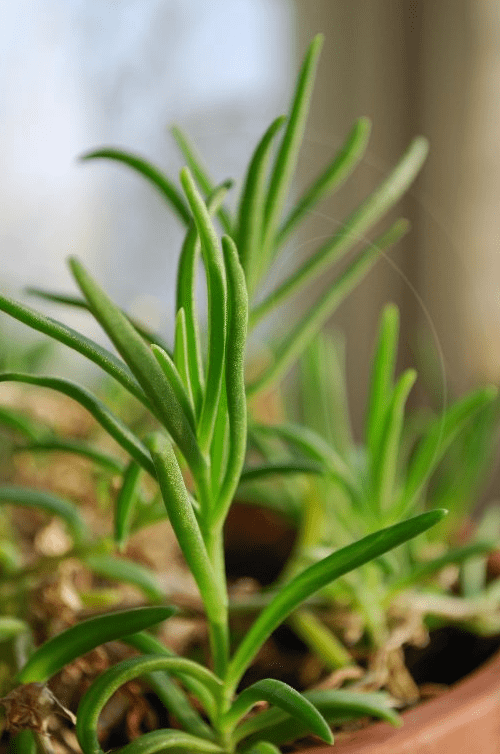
217 308
128 572
155 177
319 575
331 178
252 204
296 342
201 176
52 504
163 740
69 337
119 431
104 460
335 706
108 682
75 641
142 363
124 504
286 158
286 698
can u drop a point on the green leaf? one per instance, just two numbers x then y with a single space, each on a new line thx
252 205
283 696
386 461
143 364
127 572
80 303
200 174
456 555
51 504
217 308
434 444
263 747
185 525
104 460
124 505
297 341
11 627
94 406
353 229
186 302
155 177
173 377
92 351
163 740
296 591
331 178
172 696
335 706
62 649
235 376
382 376
108 682
312 445
286 158
250 473
14 420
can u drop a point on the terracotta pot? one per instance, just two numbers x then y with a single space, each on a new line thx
464 720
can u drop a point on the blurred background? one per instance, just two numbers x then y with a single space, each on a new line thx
76 75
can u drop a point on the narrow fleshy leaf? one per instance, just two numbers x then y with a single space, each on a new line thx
108 682
186 301
101 459
201 175
13 419
263 747
62 649
353 229
336 707
119 431
49 503
80 303
170 693
124 505
11 627
297 341
251 473
252 205
382 377
286 698
456 555
92 351
433 446
142 363
286 158
185 525
127 572
154 176
319 575
235 375
386 461
312 445
217 308
173 377
163 740
331 178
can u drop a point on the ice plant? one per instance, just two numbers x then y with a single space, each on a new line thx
198 398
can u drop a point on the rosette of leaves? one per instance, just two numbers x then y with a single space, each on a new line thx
197 397
407 462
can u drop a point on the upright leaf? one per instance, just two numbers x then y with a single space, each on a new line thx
143 365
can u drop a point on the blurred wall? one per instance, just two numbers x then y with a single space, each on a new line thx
431 68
